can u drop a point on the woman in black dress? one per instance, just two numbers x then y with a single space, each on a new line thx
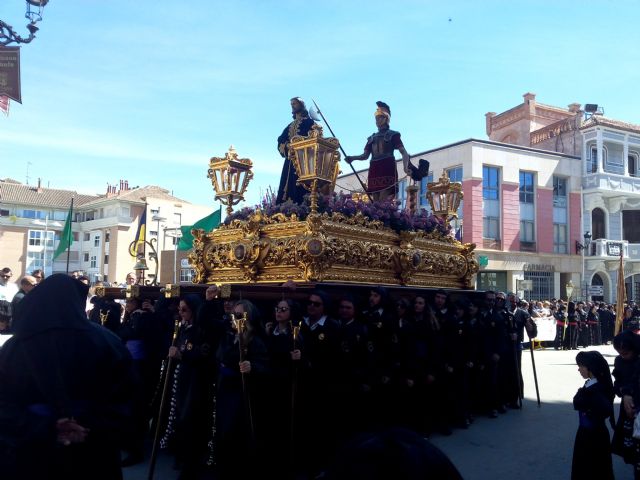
242 366
594 402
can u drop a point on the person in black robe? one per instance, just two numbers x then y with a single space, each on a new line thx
288 189
240 396
594 403
626 367
66 385
193 384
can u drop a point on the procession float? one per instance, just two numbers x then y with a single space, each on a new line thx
326 237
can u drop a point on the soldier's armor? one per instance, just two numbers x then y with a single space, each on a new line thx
381 144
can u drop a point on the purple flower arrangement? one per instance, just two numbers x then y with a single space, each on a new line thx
385 211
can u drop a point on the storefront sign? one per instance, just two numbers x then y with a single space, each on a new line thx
538 267
10 73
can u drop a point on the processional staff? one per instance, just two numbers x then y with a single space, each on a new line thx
163 399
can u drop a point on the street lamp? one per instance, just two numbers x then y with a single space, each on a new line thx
581 248
34 13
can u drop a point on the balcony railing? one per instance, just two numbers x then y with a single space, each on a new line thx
605 248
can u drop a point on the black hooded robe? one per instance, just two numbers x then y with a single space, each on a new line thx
60 365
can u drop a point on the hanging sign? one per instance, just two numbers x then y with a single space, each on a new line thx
10 73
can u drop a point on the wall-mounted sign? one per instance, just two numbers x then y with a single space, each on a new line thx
614 249
10 73
184 263
538 267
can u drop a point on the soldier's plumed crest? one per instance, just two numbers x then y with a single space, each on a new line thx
383 109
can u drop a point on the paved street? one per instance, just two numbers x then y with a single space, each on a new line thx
535 443
532 444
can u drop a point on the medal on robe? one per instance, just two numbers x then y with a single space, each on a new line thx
321 336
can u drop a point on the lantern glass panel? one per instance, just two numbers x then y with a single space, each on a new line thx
311 160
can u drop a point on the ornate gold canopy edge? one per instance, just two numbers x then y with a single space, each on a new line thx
329 248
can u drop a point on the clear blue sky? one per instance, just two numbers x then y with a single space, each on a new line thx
148 91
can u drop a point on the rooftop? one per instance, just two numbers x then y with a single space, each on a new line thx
12 191
609 122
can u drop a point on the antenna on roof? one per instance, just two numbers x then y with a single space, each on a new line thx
28 165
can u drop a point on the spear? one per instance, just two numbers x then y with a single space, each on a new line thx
342 150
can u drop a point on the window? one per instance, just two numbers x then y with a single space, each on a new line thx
37 238
4 212
107 235
153 233
424 203
632 160
490 183
35 260
60 215
85 256
96 241
124 211
187 274
106 259
89 216
177 219
559 238
542 283
598 225
526 187
94 262
455 174
630 226
527 231
491 227
593 166
154 211
559 192
34 214
87 237
496 281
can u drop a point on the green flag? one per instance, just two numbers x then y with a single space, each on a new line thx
66 239
207 224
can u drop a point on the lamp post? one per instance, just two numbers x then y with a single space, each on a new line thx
230 177
34 13
444 197
581 247
315 159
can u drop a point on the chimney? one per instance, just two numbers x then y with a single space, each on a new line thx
126 184
39 189
574 107
120 186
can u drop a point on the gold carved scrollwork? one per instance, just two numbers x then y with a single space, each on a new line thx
329 248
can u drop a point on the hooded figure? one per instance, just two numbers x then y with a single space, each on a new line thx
65 388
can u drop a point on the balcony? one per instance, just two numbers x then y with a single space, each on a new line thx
612 184
609 249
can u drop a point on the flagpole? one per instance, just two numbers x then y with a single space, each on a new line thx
70 235
620 295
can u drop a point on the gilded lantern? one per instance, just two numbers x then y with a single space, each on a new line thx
444 197
230 177
315 159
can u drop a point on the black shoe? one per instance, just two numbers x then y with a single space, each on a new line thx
132 459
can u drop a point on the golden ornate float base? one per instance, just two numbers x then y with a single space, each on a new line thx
329 248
